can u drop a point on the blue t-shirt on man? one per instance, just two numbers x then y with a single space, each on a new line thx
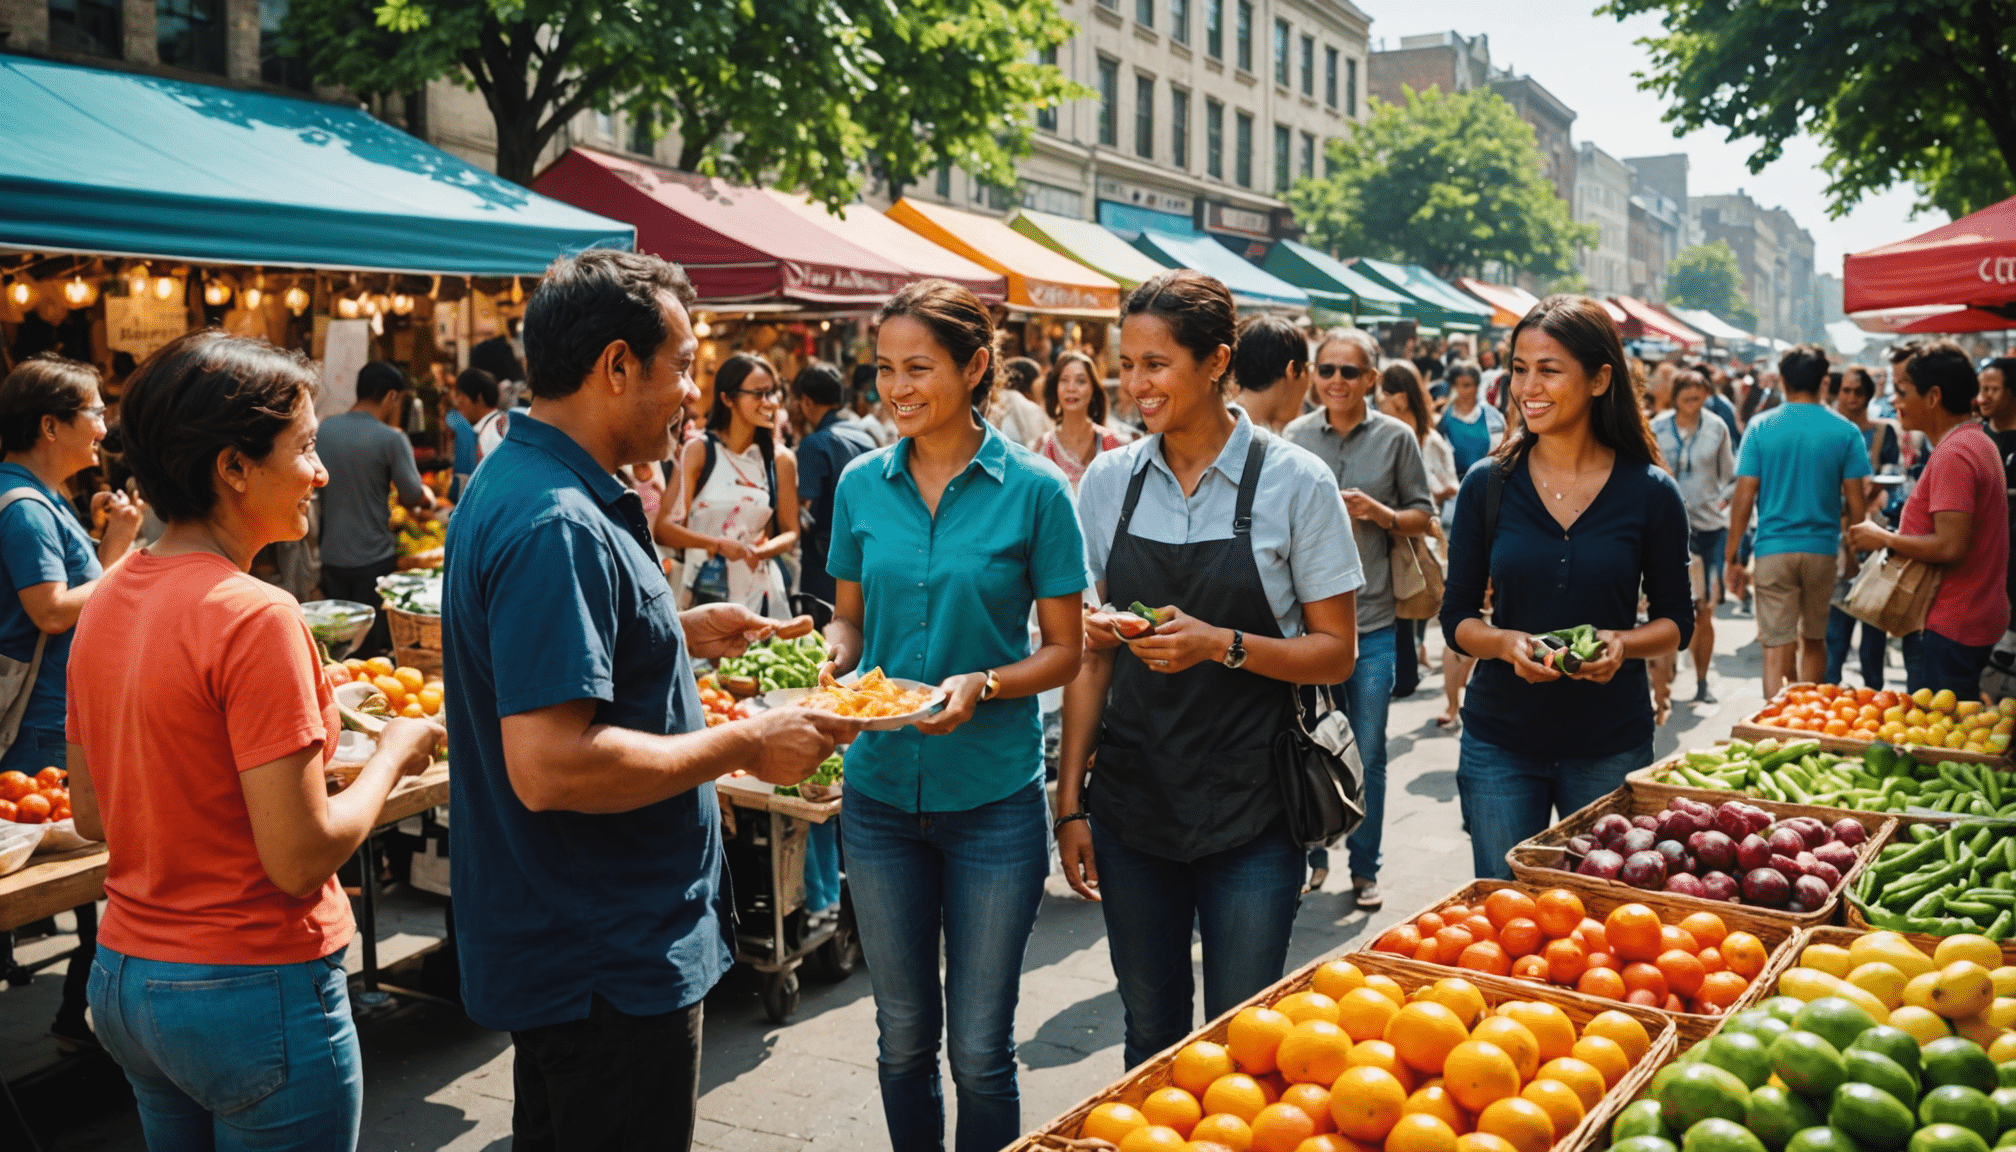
822 456
1801 454
40 545
553 593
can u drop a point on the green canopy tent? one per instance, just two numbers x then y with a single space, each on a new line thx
1090 244
1443 306
1252 289
1333 286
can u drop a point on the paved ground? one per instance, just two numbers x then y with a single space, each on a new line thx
435 1081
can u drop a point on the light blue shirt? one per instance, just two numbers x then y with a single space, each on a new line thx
1801 454
1301 533
951 594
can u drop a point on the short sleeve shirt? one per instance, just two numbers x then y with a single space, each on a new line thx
1381 458
1965 475
822 456
40 544
1801 454
552 594
951 594
366 460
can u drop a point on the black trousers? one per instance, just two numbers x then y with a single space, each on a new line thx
360 586
609 1083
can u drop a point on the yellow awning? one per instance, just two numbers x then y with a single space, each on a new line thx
1039 280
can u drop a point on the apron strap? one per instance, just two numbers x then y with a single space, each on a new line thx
1249 486
1133 497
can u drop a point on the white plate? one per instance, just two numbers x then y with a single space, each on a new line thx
784 697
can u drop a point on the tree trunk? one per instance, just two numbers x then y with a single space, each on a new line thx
517 148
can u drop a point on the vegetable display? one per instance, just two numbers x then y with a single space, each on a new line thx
778 663
1956 882
417 591
1567 649
1882 779
1734 853
828 772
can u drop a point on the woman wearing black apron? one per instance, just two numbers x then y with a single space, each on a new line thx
1243 541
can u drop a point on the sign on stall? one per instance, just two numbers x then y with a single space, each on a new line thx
140 324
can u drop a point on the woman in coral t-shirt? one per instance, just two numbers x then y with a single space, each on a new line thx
198 722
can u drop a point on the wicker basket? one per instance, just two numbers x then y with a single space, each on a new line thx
1540 859
1061 1133
1777 935
412 630
1752 729
427 660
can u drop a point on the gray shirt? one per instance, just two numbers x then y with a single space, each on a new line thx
365 459
1382 459
1703 462
1300 541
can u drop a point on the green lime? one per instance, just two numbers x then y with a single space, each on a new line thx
1876 1119
1640 1118
1958 1060
1967 1107
1868 1067
1776 1114
1808 1064
1743 1055
2006 1073
1821 1140
1645 1144
1718 1135
2005 1106
1895 1043
1948 1138
1834 1020
1758 1023
1785 1008
1696 1092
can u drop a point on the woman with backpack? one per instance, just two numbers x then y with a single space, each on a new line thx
743 511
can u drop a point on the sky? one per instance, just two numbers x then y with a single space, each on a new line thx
1588 62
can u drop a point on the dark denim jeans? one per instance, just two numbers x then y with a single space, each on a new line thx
1873 648
607 1080
1507 796
1934 661
976 879
1242 902
1366 699
232 1056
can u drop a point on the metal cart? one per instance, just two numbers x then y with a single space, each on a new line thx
765 836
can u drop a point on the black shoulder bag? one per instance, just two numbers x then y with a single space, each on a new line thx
1321 776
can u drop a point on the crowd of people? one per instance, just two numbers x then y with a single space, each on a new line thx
950 517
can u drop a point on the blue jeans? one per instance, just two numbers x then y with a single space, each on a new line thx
35 749
822 866
976 877
1934 661
1840 628
1242 901
233 1056
1366 698
1507 796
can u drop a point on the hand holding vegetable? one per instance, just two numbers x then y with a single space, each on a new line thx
1102 628
1516 649
1608 658
1182 642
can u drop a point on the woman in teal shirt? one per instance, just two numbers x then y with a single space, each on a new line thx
941 543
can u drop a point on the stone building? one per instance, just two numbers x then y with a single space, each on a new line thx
1445 60
1603 198
1776 258
1553 127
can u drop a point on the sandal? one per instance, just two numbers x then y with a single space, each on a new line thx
1449 723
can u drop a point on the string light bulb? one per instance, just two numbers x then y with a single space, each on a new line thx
296 299
347 308
701 328
20 293
216 293
136 280
79 292
252 298
164 287
402 304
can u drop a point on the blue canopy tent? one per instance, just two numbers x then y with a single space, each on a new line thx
1332 285
1453 309
121 164
1252 288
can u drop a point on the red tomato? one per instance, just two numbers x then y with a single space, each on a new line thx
338 675
15 785
49 778
32 809
7 810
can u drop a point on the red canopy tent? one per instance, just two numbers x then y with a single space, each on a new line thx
1643 320
1968 265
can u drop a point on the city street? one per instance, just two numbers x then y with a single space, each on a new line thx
435 1081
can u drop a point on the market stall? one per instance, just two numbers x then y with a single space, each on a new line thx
1254 289
1334 287
1089 243
1509 303
1643 321
1442 307
1962 275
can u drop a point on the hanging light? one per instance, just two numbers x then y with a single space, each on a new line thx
402 304
216 293
825 325
700 327
347 308
517 292
165 287
21 293
79 292
252 298
296 299
136 280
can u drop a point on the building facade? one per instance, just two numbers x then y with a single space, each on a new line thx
1553 128
1776 259
1445 60
1603 198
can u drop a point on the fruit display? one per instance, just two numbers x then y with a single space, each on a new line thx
1734 852
43 798
1693 963
777 663
408 691
1928 718
719 704
1871 1047
1959 881
1357 1062
422 536
1567 649
1881 779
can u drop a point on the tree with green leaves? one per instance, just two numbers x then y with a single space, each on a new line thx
1708 277
808 94
1919 92
1449 182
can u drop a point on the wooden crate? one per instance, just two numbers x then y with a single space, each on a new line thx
1777 935
1135 1086
427 660
1540 860
1752 729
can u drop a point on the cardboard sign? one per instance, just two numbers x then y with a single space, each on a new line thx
141 324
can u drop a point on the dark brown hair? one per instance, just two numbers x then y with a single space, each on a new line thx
1690 378
1944 365
590 300
958 322
1402 378
1198 310
42 385
1095 405
1584 328
197 395
728 381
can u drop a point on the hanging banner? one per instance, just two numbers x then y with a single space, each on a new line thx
140 324
346 346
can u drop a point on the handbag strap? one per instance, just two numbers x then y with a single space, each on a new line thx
10 722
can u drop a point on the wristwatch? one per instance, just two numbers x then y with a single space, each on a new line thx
993 685
1235 655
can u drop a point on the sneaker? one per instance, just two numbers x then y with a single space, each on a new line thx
1316 878
1367 893
1702 695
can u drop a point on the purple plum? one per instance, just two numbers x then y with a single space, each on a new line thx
1675 854
1759 819
1721 886
1811 830
1644 870
1714 850
1828 874
1581 846
1674 825
1753 853
1789 865
1730 821
1611 828
1767 887
1837 853
1649 823
1686 885
1602 864
1636 840
1849 831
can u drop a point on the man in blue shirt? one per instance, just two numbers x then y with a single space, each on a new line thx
471 401
830 444
586 847
1801 463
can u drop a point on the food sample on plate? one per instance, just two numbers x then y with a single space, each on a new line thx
1138 620
872 697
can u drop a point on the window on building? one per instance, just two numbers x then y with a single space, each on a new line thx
605 126
1214 28
641 122
1144 11
1329 162
1330 77
1242 160
190 34
1109 102
1046 118
1144 117
91 27
944 185
1179 128
1308 156
1284 143
1179 21
1282 34
1214 139
1052 199
1309 66
1243 35
1351 86
275 68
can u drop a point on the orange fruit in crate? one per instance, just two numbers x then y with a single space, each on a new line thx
1422 1035
1336 978
1313 1099
1459 996
1313 1052
1706 928
1711 960
1388 987
1603 960
1455 912
1200 1062
1633 932
1379 1054
1530 968
1480 926
1744 954
1603 982
1173 1108
1594 937
1429 952
1321 1142
1485 956
1401 939
1302 1006
1566 961
1435 1100
1625 1030
1515 1038
1237 1094
1508 904
1153 1138
1450 943
1111 1121
1558 912
1642 997
1522 1123
1549 1025
1682 970
1365 1103
1477 1074
1483 1142
1672 936
1281 1128
1579 1075
1674 1004
1430 923
1605 1055
1558 1100
1520 937
1721 989
1365 1012
1254 1035
1420 1132
1223 1129
1642 977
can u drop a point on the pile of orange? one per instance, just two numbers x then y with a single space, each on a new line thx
1696 965
1356 1063
409 691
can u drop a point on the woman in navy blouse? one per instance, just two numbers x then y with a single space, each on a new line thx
1585 516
